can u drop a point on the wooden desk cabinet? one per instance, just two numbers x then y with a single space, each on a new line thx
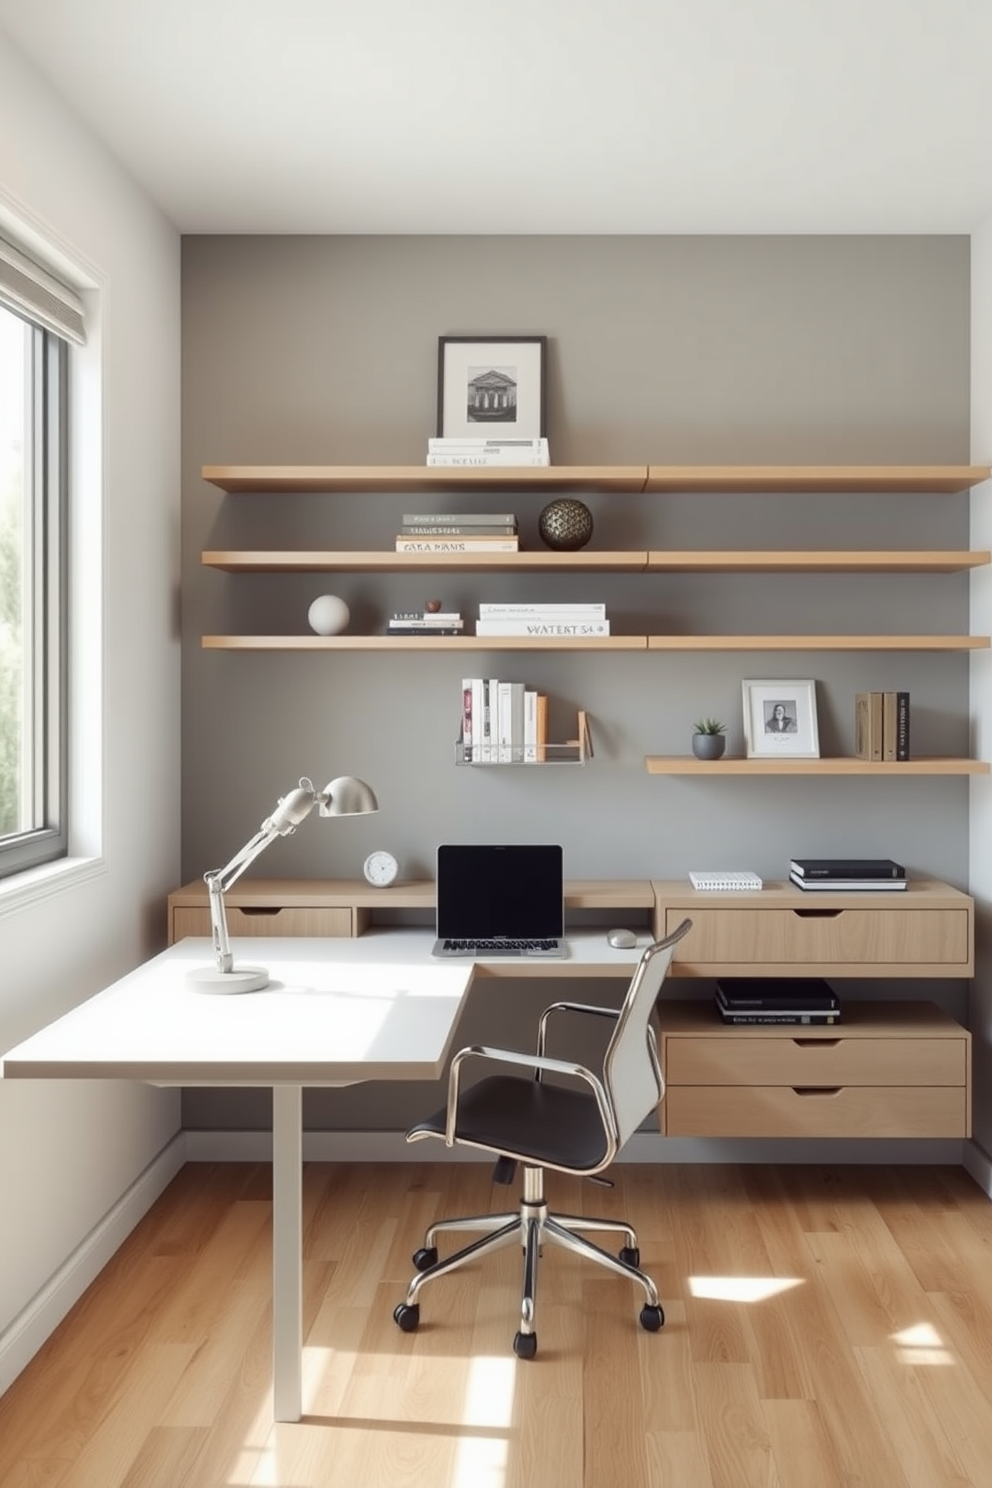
926 930
886 1070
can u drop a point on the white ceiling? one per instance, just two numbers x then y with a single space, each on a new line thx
534 116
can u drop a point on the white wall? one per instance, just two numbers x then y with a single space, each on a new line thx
70 1153
980 846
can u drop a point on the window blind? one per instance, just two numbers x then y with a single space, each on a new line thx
28 289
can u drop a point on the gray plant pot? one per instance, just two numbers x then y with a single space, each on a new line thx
709 746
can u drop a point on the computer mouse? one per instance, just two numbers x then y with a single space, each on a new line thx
621 940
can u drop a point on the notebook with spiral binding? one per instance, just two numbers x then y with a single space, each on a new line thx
724 882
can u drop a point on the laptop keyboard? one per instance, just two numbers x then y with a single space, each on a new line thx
501 947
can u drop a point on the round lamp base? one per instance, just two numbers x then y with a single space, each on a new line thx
241 979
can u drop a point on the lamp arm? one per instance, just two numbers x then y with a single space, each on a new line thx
219 880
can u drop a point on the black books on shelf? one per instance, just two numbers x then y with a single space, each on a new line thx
756 1000
425 623
832 868
843 885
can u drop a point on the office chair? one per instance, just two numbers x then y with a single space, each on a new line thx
528 1120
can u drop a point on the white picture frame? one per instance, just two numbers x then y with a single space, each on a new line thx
518 404
780 718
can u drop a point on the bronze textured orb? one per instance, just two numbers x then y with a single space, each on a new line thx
565 525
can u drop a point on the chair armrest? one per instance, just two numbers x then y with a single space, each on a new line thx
569 1007
537 1062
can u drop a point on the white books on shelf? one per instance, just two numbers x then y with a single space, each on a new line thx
439 444
487 611
539 628
467 719
478 717
457 544
492 750
509 458
530 726
717 881
463 519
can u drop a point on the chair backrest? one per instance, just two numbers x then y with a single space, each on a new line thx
631 1071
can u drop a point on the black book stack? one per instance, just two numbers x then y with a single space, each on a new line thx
847 873
808 1000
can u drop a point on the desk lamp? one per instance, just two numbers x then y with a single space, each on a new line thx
346 796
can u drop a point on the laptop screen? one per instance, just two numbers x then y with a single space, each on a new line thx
491 892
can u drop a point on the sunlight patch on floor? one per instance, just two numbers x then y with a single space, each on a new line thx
741 1288
921 1344
480 1462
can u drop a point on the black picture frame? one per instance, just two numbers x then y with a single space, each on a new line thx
492 387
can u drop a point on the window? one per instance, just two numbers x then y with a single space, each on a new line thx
34 357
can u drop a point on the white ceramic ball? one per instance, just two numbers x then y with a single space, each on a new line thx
328 615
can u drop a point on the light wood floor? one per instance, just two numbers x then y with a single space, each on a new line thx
826 1328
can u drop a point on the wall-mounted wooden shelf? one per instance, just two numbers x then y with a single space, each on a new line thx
592 643
817 643
746 479
634 561
841 765
291 479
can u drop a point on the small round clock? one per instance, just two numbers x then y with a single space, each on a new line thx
381 869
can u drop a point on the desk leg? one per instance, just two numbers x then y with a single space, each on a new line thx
287 1252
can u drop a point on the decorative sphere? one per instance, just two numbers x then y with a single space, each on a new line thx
565 525
328 615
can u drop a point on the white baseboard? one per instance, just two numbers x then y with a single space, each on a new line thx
22 1339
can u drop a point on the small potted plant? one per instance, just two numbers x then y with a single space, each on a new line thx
709 740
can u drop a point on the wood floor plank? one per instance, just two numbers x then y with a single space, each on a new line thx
825 1327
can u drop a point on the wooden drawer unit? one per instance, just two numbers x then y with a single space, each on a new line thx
886 1070
269 906
925 930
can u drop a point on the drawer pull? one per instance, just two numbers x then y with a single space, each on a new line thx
260 909
808 1092
814 1043
818 914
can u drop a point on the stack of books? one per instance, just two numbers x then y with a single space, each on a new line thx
881 725
847 873
808 1000
458 532
494 451
503 723
425 622
542 620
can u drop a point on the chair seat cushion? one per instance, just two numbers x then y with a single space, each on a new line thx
528 1119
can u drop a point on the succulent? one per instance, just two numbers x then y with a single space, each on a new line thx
709 726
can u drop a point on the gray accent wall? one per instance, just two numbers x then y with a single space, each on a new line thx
313 350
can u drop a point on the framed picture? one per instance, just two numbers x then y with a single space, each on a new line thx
491 387
780 719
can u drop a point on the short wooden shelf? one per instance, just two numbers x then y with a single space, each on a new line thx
290 479
418 643
837 561
687 764
816 479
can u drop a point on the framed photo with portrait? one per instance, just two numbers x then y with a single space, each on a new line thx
491 387
780 719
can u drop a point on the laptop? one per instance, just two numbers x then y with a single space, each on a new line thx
499 900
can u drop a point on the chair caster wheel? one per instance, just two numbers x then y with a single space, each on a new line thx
407 1315
525 1345
631 1255
652 1318
425 1258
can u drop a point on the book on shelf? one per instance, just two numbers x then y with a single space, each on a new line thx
846 868
427 618
541 746
510 744
576 611
540 628
457 544
467 720
810 1020
513 459
463 519
439 623
868 725
729 881
458 529
496 451
895 725
439 444
841 885
762 994
530 726
424 630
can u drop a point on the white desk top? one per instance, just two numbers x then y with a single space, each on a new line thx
336 1011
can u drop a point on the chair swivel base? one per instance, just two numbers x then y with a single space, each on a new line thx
531 1227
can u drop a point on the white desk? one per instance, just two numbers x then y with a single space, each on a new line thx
336 1012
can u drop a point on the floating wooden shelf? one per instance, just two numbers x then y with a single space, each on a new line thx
425 643
382 561
432 478
689 765
938 479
